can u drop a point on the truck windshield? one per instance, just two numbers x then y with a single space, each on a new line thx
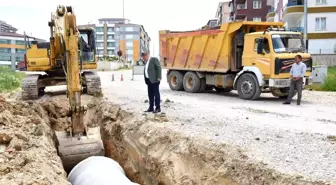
283 43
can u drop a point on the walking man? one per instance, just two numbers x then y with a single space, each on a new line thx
297 73
152 75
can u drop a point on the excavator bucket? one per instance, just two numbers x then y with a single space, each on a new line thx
74 149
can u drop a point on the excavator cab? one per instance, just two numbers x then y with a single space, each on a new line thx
87 45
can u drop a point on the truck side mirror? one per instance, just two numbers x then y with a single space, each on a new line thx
260 49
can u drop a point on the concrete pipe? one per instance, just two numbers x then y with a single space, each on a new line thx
98 170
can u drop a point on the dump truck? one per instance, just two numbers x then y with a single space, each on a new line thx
250 57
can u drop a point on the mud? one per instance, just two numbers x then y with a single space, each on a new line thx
149 152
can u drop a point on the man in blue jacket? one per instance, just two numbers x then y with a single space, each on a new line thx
152 76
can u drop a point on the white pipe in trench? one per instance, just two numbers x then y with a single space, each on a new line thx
98 170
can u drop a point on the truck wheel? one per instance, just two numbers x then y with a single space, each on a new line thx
191 82
248 88
175 79
220 89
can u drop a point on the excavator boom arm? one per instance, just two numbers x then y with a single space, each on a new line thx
81 142
66 36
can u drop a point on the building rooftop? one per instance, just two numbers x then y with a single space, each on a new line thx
4 27
111 19
6 34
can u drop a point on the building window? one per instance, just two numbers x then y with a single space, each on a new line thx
110 29
100 37
5 50
20 42
131 29
110 52
257 19
3 41
129 52
5 58
100 44
20 51
110 44
128 36
129 44
241 6
110 37
99 29
321 1
257 4
19 58
320 23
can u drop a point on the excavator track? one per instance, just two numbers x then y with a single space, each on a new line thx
92 83
30 88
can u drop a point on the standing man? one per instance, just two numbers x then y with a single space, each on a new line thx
152 75
297 73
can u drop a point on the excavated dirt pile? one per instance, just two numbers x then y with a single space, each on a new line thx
27 151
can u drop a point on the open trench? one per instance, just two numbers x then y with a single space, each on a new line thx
149 152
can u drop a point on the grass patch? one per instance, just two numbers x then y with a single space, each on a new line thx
329 83
9 80
124 68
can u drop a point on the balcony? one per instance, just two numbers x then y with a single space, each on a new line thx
293 10
239 1
270 15
240 14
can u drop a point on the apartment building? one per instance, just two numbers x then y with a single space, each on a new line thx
114 34
249 10
321 30
223 12
4 27
12 48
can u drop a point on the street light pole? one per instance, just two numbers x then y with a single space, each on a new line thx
306 23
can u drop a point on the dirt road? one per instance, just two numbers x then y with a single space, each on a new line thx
294 140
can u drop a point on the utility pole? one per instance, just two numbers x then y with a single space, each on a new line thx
123 9
306 23
123 31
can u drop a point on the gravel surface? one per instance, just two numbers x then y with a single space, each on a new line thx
295 140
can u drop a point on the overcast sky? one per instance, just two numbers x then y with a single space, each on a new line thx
32 16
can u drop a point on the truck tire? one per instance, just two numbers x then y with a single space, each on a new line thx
175 80
220 89
247 87
191 82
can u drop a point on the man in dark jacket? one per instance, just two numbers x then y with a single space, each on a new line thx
152 74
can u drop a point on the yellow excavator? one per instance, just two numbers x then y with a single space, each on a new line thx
49 58
69 51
